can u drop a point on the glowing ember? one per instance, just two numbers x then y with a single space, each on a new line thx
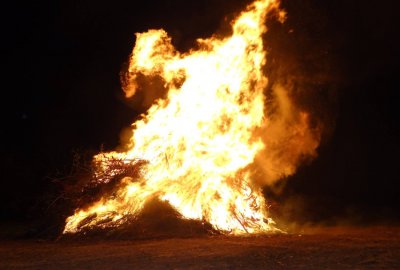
200 140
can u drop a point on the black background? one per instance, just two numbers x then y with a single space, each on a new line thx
61 92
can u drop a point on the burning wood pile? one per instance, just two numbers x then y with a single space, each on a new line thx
194 149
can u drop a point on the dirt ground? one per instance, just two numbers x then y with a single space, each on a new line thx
322 248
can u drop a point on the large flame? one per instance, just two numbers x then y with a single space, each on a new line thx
200 140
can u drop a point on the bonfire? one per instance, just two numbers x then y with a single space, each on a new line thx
195 148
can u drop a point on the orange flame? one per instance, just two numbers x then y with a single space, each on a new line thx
200 140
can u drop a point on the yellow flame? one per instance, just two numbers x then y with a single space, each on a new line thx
200 140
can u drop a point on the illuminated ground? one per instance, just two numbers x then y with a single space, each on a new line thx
334 248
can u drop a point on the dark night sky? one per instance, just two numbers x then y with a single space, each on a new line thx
61 92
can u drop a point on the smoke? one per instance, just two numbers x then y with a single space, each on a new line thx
289 137
301 97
